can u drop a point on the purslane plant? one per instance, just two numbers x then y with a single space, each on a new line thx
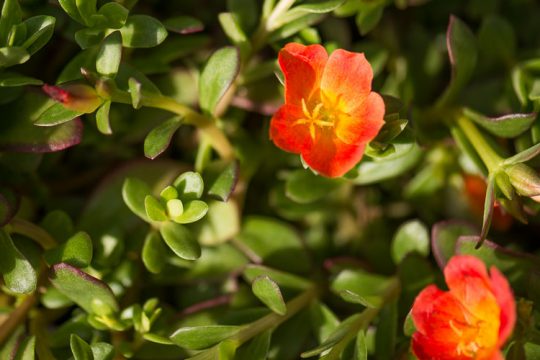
223 243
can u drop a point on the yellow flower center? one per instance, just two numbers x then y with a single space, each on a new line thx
324 114
476 337
314 118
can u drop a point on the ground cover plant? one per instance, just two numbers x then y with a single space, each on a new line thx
277 179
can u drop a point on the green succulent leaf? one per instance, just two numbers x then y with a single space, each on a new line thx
19 275
80 348
142 31
221 179
180 240
266 290
153 253
507 126
134 192
217 77
13 55
158 140
109 55
463 54
202 337
184 25
90 293
11 16
155 209
76 251
41 29
190 185
411 236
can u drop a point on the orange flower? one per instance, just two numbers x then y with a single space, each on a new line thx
330 112
471 321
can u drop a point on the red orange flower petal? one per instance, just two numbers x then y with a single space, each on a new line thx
302 67
286 135
347 79
332 157
363 123
471 321
503 295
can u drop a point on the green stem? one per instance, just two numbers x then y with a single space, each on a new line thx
32 231
280 9
206 126
16 317
491 159
265 323
363 321
274 320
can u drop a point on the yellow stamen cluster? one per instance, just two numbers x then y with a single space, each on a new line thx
315 118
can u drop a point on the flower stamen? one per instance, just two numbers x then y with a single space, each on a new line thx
314 118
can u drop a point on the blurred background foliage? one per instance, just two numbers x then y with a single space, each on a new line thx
125 235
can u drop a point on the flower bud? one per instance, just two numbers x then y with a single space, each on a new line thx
77 97
524 179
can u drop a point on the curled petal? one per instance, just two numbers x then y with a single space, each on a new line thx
438 315
505 299
302 67
285 134
346 80
331 157
468 280
364 123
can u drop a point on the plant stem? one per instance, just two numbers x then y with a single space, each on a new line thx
34 232
491 159
207 127
16 317
280 9
363 321
265 323
273 320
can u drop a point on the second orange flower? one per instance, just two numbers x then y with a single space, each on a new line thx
330 112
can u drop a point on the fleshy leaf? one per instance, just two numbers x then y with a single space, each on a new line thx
153 253
181 241
76 251
184 25
221 179
19 275
80 348
157 140
142 31
507 126
154 209
412 236
217 77
269 293
134 192
202 337
91 294
109 55
193 210
463 53
18 132
190 185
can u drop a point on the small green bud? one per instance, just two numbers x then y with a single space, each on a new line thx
524 179
77 97
175 208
